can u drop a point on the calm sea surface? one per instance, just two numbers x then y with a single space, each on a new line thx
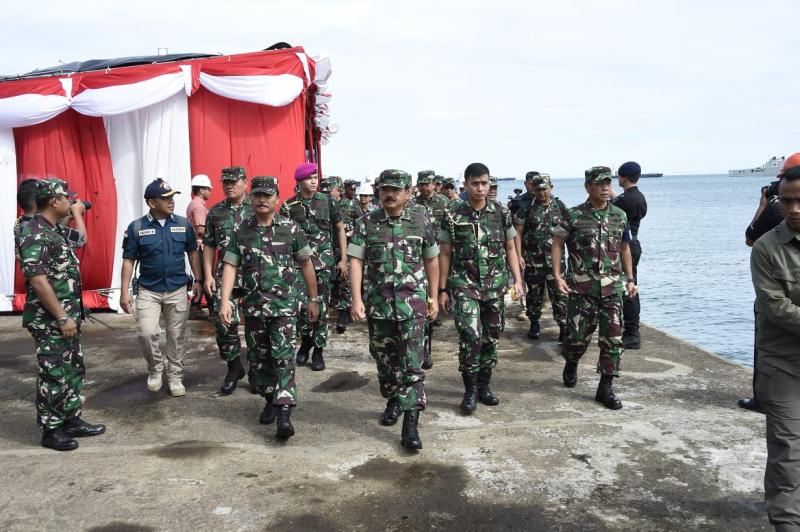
694 275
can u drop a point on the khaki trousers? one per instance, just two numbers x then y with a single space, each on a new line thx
779 394
174 308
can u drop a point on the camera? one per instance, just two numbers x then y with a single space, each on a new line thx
515 202
771 190
87 204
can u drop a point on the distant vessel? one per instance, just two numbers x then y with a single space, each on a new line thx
653 174
768 169
506 178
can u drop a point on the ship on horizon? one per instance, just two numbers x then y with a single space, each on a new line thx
768 169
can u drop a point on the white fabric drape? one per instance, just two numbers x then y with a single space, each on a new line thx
30 109
146 144
8 214
276 91
119 99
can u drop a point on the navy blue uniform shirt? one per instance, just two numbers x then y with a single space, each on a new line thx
160 251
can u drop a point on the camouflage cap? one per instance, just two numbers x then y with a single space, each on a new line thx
425 176
438 179
264 184
530 175
53 187
448 182
329 183
492 181
542 181
393 178
597 174
351 183
233 173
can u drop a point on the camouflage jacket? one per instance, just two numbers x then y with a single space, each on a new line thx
594 239
435 205
21 222
347 208
44 250
222 222
266 257
395 285
539 221
478 267
317 217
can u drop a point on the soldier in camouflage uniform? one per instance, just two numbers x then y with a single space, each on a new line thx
319 218
596 234
480 236
340 284
223 221
449 190
52 314
264 253
535 221
393 252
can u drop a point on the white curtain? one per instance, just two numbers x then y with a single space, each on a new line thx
118 99
275 91
147 144
8 214
30 109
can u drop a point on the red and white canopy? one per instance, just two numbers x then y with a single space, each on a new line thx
110 132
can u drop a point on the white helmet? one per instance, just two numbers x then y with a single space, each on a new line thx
365 189
201 180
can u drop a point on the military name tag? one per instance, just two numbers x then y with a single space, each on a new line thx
177 229
146 232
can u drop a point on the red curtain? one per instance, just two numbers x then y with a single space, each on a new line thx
74 147
265 140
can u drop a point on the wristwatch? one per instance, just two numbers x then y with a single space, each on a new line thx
62 321
442 290
315 298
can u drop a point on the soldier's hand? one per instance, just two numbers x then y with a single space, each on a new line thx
561 285
632 289
126 302
224 313
210 286
357 311
313 311
444 301
69 329
342 268
433 309
77 208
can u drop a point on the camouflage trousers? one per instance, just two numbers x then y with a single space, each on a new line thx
316 331
60 379
340 293
228 341
398 350
273 339
583 314
479 324
537 279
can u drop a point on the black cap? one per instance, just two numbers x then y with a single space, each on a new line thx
629 169
159 189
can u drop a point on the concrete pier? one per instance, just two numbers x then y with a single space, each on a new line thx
679 456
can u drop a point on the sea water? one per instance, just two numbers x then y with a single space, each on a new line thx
694 274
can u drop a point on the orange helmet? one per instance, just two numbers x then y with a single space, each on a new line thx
790 162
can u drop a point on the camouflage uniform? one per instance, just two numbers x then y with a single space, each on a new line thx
317 217
395 290
594 239
45 250
539 221
223 221
478 278
340 289
265 257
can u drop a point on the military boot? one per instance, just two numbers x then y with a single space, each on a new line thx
469 403
252 378
570 374
631 339
58 440
342 321
534 330
285 428
427 362
409 437
317 361
562 333
391 413
268 415
235 373
485 394
78 428
606 395
305 348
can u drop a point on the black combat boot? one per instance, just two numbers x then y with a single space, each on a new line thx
317 361
570 374
391 413
534 331
255 387
268 415
437 322
78 428
409 437
484 392
305 348
58 440
235 373
750 403
342 321
562 333
285 428
427 362
469 403
631 339
606 395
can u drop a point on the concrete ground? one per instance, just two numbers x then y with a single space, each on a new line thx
679 455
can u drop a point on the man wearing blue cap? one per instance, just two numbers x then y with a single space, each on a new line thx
635 206
159 241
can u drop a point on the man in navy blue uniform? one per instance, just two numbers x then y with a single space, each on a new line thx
159 242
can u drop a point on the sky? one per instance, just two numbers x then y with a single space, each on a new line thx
682 87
